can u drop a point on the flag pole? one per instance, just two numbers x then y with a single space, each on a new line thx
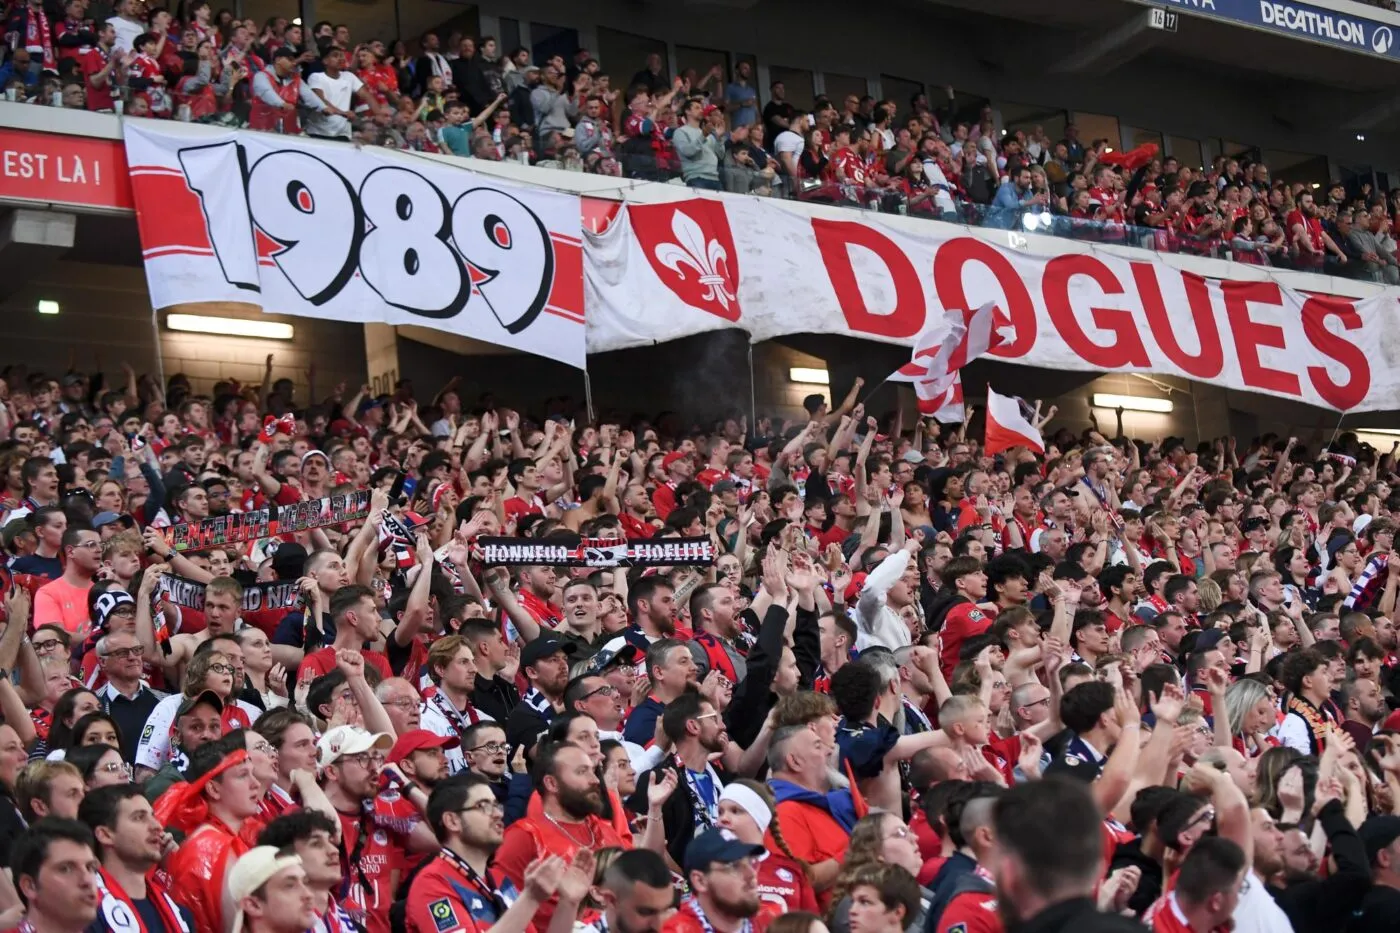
588 394
753 393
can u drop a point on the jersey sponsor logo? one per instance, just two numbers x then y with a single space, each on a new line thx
958 928
444 916
784 874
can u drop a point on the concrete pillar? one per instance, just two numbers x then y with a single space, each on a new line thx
381 357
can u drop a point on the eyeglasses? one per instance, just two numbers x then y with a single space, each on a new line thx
489 747
607 690
485 806
401 703
265 748
222 669
902 832
135 651
89 545
365 759
116 767
47 645
707 716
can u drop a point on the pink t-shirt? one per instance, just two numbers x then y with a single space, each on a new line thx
61 603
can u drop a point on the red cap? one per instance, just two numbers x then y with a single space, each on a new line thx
1392 721
671 458
418 740
855 586
709 109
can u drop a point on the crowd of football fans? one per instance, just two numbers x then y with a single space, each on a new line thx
470 97
913 686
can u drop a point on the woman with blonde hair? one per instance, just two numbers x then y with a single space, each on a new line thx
880 838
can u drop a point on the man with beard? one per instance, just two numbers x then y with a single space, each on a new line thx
458 888
418 757
1380 911
1258 912
376 836
198 721
1313 902
672 670
724 883
1364 707
651 603
130 844
545 662
571 801
355 615
221 794
312 836
1049 859
717 628
448 709
696 731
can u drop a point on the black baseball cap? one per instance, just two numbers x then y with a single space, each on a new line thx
608 656
1378 833
543 647
208 696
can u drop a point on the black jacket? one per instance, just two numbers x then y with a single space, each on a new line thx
1079 915
753 696
1324 905
678 813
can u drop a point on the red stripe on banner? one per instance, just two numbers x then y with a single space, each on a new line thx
566 293
179 224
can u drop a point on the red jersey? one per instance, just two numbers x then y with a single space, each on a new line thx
783 883
1312 226
663 499
544 612
850 168
685 919
322 662
971 912
531 837
1003 755
448 896
381 80
709 476
91 60
374 846
1165 916
515 507
634 527
961 623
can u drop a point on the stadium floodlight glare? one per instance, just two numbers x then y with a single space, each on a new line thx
819 377
1158 406
230 326
48 307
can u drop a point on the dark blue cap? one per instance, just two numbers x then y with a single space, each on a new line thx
717 845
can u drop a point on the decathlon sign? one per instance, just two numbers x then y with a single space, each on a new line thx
1371 36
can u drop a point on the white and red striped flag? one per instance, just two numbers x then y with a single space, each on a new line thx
1010 424
950 342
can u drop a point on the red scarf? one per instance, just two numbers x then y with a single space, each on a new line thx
120 910
38 36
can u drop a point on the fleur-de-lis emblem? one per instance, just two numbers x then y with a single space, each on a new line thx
706 258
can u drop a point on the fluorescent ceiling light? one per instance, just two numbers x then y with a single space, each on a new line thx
1160 406
807 374
48 307
229 326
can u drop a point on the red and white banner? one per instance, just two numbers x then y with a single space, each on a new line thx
47 168
325 230
663 271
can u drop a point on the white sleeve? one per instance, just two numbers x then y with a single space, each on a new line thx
153 750
1293 733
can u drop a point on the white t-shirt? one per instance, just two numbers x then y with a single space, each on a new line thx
1257 911
127 33
154 748
340 93
788 141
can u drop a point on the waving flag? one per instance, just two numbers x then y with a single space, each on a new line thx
1009 425
950 342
